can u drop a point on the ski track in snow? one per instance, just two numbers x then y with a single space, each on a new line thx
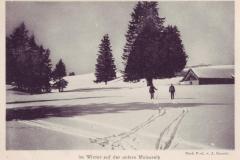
121 141
164 141
127 139
167 135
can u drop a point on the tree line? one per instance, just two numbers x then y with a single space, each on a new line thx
28 65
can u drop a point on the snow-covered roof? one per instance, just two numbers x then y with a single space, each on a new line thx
224 71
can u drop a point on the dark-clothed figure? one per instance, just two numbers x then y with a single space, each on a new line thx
172 91
151 91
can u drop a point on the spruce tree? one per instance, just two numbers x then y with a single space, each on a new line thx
60 70
141 12
58 73
105 67
144 59
174 51
17 47
30 67
38 67
46 69
156 51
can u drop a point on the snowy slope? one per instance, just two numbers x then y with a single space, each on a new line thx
87 81
81 86
121 115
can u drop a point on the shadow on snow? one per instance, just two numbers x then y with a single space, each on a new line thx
94 89
48 100
46 111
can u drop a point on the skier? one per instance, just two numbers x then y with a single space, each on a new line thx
151 91
172 91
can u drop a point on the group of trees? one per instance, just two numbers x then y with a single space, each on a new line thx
151 51
28 65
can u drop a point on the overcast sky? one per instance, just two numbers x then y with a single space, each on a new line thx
73 30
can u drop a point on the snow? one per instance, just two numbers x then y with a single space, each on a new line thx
224 71
121 115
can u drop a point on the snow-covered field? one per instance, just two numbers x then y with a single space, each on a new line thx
121 115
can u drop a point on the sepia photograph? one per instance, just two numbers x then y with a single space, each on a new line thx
120 75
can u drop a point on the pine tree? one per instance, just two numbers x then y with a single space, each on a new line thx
156 52
141 12
60 70
17 46
176 57
38 68
31 81
105 67
144 60
58 74
144 13
46 70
